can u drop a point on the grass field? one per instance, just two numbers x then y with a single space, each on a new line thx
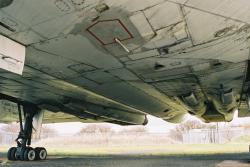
134 145
171 149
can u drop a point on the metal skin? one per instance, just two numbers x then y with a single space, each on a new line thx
5 3
116 61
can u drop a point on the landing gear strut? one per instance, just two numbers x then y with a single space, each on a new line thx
23 151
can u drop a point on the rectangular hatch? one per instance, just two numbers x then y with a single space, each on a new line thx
12 55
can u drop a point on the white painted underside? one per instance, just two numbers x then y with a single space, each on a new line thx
12 55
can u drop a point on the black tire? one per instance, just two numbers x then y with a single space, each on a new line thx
12 154
37 150
29 154
41 153
21 156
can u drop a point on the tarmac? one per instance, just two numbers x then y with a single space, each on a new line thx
221 160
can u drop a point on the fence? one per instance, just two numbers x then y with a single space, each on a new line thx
204 136
10 137
195 136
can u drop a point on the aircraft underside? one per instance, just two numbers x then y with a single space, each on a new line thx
118 60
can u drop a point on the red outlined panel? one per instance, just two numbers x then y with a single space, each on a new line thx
105 31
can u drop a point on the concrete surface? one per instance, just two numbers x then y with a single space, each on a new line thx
226 160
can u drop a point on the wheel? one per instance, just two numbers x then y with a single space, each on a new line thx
29 154
12 154
37 150
41 153
21 154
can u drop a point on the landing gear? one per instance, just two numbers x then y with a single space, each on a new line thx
12 154
41 153
23 151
